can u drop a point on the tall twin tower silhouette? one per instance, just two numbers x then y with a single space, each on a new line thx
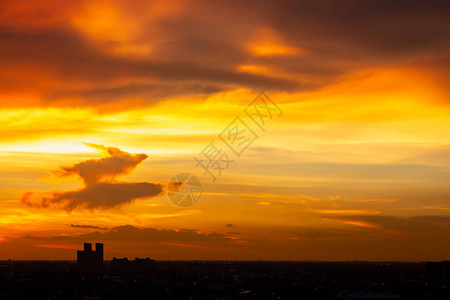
88 259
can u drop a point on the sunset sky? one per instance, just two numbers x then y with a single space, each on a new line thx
103 102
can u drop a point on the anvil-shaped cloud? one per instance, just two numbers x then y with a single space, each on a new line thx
101 189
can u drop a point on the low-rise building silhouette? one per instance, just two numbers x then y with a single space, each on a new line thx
88 259
138 264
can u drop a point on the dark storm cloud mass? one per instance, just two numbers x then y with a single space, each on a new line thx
101 189
385 28
199 51
63 54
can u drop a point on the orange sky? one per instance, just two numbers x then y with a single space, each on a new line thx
103 102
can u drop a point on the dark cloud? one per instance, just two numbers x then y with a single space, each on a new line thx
88 226
229 225
151 92
32 237
101 189
188 230
131 233
91 75
202 48
104 169
383 29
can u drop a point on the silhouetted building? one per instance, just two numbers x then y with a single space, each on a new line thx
138 264
438 273
88 259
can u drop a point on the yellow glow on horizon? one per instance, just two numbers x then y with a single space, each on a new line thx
353 222
267 43
102 21
272 49
253 69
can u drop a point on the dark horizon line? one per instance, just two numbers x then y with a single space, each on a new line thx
233 260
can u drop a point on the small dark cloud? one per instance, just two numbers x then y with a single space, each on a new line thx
32 237
88 226
189 230
229 225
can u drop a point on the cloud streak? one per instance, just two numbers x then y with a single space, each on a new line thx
87 226
131 233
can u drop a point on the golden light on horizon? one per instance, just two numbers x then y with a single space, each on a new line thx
275 50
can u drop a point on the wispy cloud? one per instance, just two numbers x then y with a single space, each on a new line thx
88 226
378 200
352 222
347 211
60 246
